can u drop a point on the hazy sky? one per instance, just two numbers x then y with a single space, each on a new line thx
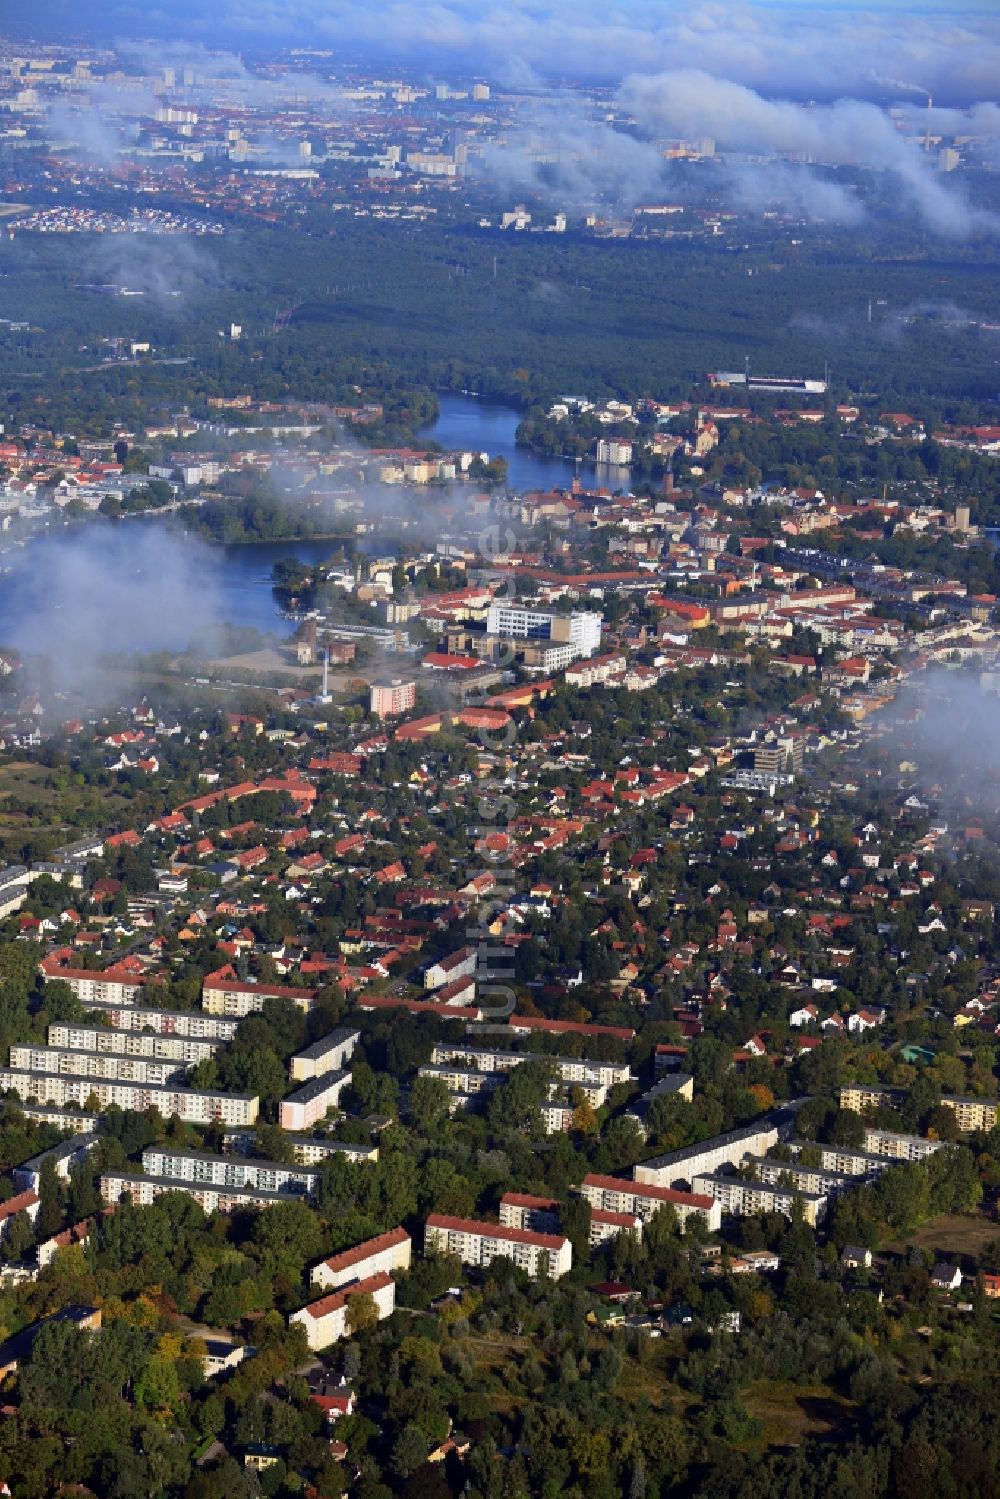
781 46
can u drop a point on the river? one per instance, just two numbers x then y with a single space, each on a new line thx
121 575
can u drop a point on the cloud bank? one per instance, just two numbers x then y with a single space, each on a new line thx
809 51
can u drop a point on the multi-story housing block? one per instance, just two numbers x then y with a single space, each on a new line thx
479 1243
107 1064
192 1105
899 1147
613 1194
28 1176
457 965
307 1150
522 1210
328 1320
605 1225
310 1103
813 1179
379 1256
144 1190
183 1050
863 1096
580 630
740 1197
330 1054
194 1023
847 1159
116 985
240 1172
707 1156
971 1114
223 995
582 1070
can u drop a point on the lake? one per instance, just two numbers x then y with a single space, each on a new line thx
137 585
482 426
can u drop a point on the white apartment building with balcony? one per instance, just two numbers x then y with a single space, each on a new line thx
243 1173
613 1194
478 1243
57 1089
105 1064
144 1190
182 1050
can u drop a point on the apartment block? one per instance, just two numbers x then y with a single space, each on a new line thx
144 1190
457 965
64 1157
72 1119
899 1147
117 986
814 1179
605 1225
308 1150
195 1107
581 630
741 1198
241 1172
460 1079
328 1320
848 1160
222 995
580 1070
863 1096
707 1156
389 699
538 1214
330 1054
194 1023
479 1243
24 1202
379 1256
970 1113
183 1050
613 1194
557 1118
106 1064
782 755
310 1103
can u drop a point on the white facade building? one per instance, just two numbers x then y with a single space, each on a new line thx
613 1194
379 1256
182 1050
310 1103
106 1064
330 1054
144 1190
240 1172
195 1107
478 1243
328 1320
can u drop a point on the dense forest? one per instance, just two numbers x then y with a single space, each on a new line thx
378 308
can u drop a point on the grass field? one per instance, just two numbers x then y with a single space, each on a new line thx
790 1413
25 782
951 1234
